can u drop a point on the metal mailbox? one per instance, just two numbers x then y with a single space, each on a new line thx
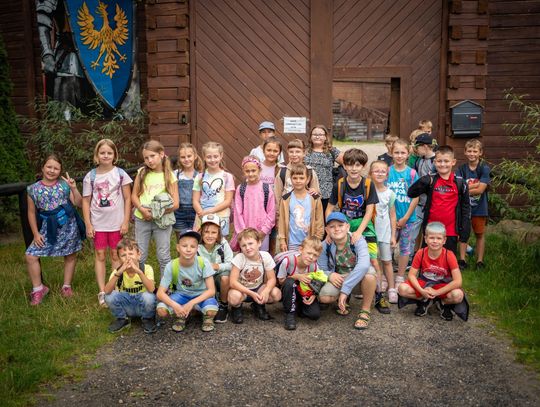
466 119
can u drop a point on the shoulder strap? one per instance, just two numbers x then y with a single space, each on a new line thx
175 268
93 173
120 282
282 174
200 262
120 175
310 176
340 192
221 253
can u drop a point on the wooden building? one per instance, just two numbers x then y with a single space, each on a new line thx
214 69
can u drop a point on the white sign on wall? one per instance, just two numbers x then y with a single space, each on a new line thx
294 125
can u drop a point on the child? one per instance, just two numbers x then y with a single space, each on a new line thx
130 291
295 274
189 166
55 224
266 130
254 203
385 228
400 178
476 172
192 279
425 126
213 190
300 214
272 149
434 274
447 199
252 278
413 153
153 180
106 208
388 141
217 251
321 156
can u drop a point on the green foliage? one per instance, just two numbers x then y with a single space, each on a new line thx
507 291
522 177
65 130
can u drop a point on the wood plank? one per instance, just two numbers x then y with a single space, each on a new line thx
515 33
514 20
513 69
513 57
514 7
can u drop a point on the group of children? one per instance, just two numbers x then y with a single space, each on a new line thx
301 236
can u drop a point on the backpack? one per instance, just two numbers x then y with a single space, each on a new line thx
266 191
175 266
341 194
220 252
283 173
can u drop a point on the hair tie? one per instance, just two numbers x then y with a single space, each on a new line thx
251 159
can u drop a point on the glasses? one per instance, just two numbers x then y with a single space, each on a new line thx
318 135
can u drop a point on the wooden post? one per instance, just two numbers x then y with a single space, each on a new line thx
395 90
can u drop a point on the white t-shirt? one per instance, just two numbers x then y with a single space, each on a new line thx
383 228
252 271
213 188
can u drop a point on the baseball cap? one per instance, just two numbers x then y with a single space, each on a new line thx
424 138
214 219
267 125
190 233
336 216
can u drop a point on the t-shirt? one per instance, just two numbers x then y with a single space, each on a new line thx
439 269
299 219
354 202
322 164
443 204
399 182
213 188
252 271
383 228
259 153
268 174
289 266
133 284
154 183
190 279
479 203
107 199
387 158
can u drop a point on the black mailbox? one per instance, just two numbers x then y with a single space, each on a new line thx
466 119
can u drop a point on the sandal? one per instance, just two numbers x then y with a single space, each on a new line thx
207 324
179 325
363 320
346 312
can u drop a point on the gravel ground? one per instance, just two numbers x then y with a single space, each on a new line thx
400 360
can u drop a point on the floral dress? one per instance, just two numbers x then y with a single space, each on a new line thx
48 198
323 163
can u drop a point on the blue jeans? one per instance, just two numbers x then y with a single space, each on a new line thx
124 304
209 304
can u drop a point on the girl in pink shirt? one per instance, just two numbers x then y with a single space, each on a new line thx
254 203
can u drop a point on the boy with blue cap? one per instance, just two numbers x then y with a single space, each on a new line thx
266 130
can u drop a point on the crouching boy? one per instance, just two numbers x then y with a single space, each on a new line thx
130 291
193 286
434 275
346 264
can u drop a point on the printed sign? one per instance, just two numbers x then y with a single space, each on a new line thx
294 125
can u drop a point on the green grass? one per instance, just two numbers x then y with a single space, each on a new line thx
508 293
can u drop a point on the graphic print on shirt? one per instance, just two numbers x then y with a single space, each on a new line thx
212 189
443 189
103 193
474 199
299 220
352 206
155 189
400 188
435 273
250 276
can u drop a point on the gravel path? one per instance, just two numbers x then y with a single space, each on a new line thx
400 360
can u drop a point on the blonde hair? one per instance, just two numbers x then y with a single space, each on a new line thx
296 143
156 147
298 169
400 142
425 125
204 229
414 134
249 233
377 162
197 161
313 242
127 243
474 143
327 146
435 227
212 145
105 142
390 138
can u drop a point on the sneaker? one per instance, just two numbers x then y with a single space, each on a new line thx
237 317
260 311
149 325
422 308
381 304
462 264
37 296
66 292
392 296
221 316
290 321
118 324
101 300
480 265
446 313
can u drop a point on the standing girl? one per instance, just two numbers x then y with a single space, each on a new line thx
400 178
189 166
154 178
322 156
254 203
272 149
58 229
213 190
106 208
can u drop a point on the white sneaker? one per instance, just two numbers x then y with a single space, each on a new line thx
101 300
392 296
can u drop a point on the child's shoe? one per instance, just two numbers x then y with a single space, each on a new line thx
392 296
446 313
480 265
422 308
66 292
149 325
118 324
221 316
237 317
260 311
179 325
207 324
101 300
290 321
462 264
381 304
37 296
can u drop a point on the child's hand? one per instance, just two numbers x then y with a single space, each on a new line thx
336 280
401 223
70 181
427 294
312 191
146 213
283 247
304 278
178 310
328 239
90 232
393 242
309 300
263 297
124 228
39 240
355 237
186 309
215 266
342 302
256 297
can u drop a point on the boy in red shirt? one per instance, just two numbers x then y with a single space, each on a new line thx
434 275
447 199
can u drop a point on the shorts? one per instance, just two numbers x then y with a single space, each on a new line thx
184 220
330 290
249 298
372 250
102 240
478 224
209 304
407 238
423 283
385 251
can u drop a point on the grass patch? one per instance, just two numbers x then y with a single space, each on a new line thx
57 338
507 292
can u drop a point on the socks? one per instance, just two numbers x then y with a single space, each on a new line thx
66 286
38 288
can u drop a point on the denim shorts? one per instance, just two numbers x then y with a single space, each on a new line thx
209 304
